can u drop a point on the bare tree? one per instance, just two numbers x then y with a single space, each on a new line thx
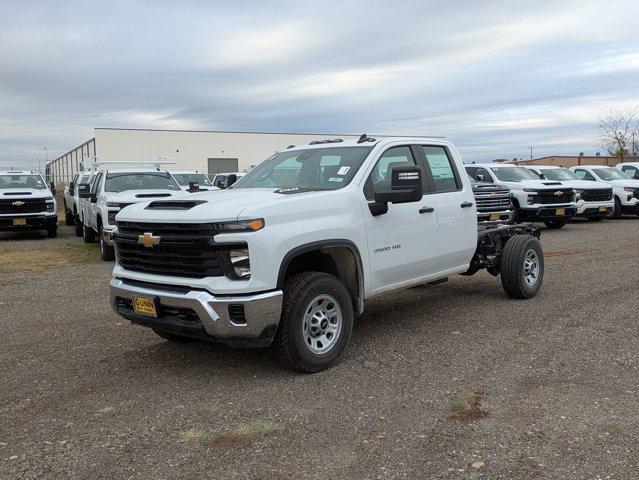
618 132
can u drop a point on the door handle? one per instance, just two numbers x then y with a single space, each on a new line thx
466 205
427 210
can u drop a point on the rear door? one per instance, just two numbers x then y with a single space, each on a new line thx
402 243
454 206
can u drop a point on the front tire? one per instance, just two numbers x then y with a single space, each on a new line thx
616 212
522 267
52 232
316 322
107 252
88 235
78 226
555 224
68 217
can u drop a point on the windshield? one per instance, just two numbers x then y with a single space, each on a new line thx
185 178
121 182
513 174
559 174
608 174
311 169
22 181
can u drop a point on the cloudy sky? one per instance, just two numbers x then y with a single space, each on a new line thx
494 76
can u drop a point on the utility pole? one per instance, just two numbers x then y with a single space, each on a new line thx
531 149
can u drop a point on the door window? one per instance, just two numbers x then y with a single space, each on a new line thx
584 175
632 171
380 178
96 183
442 169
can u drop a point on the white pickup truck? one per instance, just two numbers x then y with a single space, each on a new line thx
26 203
625 188
594 200
195 180
112 190
534 200
290 253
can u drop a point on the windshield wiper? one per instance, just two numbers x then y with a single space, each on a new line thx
291 190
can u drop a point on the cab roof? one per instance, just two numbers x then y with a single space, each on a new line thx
363 142
18 172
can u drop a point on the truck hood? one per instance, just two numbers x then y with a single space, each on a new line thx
536 184
228 205
624 182
17 193
134 196
585 184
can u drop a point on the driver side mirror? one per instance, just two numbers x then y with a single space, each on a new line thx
481 178
52 188
406 187
84 190
194 187
230 180
71 188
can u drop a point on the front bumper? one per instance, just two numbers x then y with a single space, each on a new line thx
242 320
594 209
540 214
505 216
33 222
108 234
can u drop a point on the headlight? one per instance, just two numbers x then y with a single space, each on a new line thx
236 263
50 206
111 216
113 205
629 189
240 226
530 190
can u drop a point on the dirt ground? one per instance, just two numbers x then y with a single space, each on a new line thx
448 381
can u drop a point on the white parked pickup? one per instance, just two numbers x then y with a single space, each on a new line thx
625 188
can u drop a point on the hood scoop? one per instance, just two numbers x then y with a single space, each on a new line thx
152 195
551 183
17 193
174 205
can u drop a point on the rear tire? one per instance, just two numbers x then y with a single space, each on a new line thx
316 322
68 217
78 226
171 337
52 232
555 224
88 235
107 252
522 266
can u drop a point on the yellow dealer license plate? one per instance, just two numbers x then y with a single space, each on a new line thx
603 209
144 306
19 221
560 212
494 216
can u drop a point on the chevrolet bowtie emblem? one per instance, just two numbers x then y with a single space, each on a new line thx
493 195
148 240
18 203
558 193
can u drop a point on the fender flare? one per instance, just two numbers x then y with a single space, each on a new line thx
331 243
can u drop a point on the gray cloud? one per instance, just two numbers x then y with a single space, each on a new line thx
494 76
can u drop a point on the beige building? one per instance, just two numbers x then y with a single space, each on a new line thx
207 151
571 161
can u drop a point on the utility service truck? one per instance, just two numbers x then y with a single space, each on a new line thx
113 189
288 255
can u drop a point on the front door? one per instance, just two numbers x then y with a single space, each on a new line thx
402 243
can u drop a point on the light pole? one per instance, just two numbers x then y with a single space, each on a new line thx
531 149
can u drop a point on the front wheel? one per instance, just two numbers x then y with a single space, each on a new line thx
522 266
107 252
616 212
52 232
78 226
316 322
88 234
555 224
68 217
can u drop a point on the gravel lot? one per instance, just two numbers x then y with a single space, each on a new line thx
553 381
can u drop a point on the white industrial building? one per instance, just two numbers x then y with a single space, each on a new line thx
208 151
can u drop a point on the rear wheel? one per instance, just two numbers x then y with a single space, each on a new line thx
316 322
555 224
522 266
107 252
68 217
78 226
88 234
